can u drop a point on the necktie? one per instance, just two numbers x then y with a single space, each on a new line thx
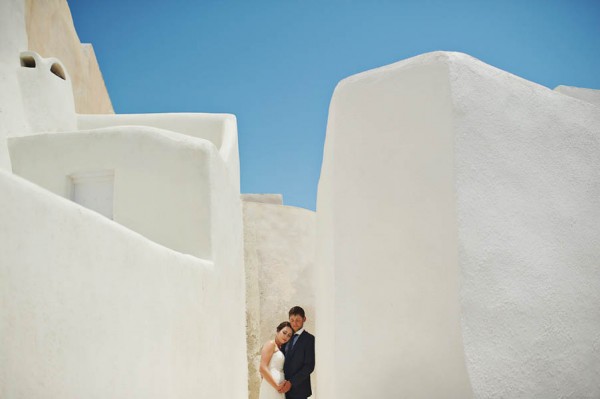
294 339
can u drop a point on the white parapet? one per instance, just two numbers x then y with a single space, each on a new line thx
160 181
219 129
458 231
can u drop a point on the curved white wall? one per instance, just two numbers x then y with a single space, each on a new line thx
88 307
47 95
50 32
587 95
162 179
33 99
528 201
219 129
91 309
436 169
440 170
388 304
13 121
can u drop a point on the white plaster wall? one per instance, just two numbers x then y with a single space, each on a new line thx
228 254
279 246
33 99
219 129
443 151
47 99
588 95
527 163
14 40
388 304
13 30
162 185
90 309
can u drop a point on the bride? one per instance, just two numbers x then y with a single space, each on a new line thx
271 363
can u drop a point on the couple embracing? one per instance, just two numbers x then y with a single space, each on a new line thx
287 361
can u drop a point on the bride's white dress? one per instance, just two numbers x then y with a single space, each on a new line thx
276 369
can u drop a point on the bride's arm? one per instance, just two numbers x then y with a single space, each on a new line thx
265 357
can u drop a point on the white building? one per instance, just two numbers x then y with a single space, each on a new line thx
454 253
144 293
458 223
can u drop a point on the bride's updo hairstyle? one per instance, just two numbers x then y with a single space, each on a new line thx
284 325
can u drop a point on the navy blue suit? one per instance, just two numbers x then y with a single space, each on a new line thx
299 363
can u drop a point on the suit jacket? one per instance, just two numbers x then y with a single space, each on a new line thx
299 363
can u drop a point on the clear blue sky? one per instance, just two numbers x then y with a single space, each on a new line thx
274 64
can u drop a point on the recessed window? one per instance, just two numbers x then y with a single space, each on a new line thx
94 190
27 61
58 70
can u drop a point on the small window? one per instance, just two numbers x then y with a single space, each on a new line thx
58 70
27 61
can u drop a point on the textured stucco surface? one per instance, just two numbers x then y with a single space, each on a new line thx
588 95
504 170
13 121
527 163
33 100
458 224
219 129
51 33
90 309
47 99
162 179
388 294
279 257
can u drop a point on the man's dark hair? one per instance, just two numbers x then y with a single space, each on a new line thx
296 311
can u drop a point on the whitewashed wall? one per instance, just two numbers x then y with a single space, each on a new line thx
219 129
47 98
587 95
174 189
33 99
50 32
445 178
162 179
279 246
91 309
13 121
388 305
527 162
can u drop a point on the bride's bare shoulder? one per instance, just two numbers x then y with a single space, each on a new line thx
270 345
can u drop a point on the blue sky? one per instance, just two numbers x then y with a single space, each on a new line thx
274 64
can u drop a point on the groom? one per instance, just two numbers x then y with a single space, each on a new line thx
299 358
